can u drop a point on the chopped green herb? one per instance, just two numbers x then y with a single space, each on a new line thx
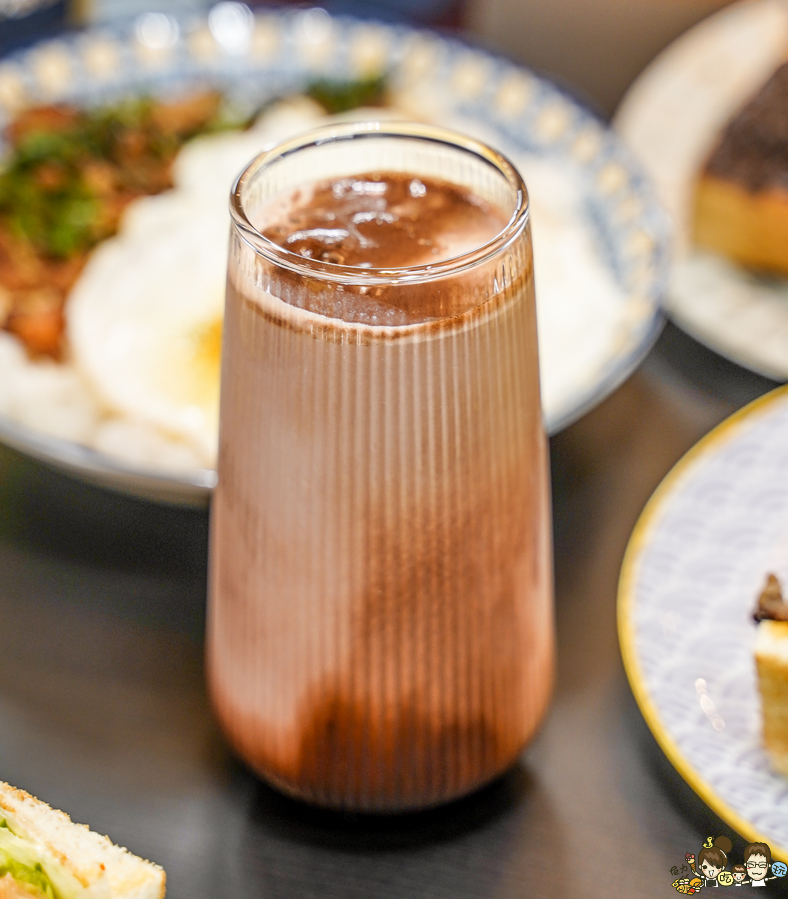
340 96
47 194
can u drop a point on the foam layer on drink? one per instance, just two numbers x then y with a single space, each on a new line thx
380 221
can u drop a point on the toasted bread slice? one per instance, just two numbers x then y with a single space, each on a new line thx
741 198
749 227
48 855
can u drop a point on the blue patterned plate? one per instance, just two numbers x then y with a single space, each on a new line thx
585 355
695 564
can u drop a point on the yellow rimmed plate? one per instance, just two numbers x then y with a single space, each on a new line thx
694 565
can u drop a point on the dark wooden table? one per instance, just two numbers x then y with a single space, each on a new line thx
103 709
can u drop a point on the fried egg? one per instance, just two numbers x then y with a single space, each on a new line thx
145 325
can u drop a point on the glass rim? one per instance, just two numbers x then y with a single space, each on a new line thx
351 274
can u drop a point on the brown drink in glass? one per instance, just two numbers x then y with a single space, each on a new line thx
380 631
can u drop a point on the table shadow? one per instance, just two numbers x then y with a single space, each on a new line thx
706 370
62 516
484 843
273 812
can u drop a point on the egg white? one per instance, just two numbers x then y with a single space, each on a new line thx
207 166
139 320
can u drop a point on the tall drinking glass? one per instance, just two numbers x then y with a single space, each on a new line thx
380 630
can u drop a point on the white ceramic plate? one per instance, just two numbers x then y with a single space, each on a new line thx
433 79
670 118
695 564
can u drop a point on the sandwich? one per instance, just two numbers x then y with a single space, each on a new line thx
44 855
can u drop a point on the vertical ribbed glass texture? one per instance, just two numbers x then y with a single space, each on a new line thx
380 632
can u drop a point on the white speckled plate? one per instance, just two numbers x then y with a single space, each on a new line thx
671 118
694 566
433 79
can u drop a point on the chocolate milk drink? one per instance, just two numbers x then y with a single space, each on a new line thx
380 617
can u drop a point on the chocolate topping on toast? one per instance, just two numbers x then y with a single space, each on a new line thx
753 147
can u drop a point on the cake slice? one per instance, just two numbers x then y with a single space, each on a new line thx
741 198
44 854
771 662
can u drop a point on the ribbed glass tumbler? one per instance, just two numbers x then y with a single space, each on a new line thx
380 628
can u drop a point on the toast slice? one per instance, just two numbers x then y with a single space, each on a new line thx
741 197
44 854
